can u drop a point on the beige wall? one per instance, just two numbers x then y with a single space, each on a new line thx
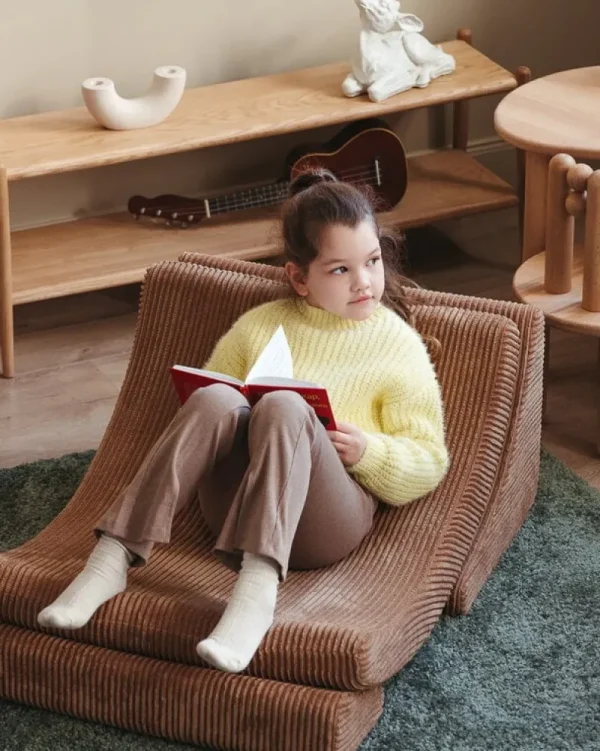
48 48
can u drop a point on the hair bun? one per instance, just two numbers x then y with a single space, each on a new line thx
311 177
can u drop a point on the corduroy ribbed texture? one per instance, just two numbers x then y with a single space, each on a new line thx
350 626
183 703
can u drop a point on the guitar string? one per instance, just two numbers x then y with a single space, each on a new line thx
234 205
245 205
357 171
275 190
272 192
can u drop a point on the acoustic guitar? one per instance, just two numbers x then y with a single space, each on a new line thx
366 153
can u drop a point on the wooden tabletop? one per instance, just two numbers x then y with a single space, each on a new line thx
554 114
223 113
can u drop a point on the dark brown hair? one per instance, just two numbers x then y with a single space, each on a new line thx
317 199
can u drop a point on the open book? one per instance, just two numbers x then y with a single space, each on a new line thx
272 371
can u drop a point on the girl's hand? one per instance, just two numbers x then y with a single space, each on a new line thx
349 441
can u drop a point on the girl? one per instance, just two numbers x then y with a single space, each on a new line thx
277 490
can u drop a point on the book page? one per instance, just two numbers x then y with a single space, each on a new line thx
287 382
208 374
275 361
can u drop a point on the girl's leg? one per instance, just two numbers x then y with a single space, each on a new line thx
210 428
296 505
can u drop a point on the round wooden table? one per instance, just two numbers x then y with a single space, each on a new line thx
555 114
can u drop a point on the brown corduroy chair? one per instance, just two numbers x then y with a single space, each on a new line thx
340 632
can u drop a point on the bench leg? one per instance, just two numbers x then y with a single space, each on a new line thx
6 304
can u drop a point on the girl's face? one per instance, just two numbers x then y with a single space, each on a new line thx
347 278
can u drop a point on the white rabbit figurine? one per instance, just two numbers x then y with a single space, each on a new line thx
392 54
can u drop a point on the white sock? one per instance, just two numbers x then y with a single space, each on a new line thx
247 617
103 577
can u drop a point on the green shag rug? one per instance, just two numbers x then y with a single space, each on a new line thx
522 671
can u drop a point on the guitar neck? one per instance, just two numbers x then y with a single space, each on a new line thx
265 195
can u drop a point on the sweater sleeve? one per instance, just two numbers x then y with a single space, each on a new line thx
408 458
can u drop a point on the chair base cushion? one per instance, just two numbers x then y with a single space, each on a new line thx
180 702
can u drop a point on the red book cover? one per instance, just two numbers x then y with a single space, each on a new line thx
187 380
315 395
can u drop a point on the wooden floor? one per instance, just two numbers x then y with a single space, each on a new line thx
72 353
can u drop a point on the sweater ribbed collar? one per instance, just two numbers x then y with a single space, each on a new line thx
319 318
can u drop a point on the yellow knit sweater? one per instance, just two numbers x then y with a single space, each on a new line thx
378 375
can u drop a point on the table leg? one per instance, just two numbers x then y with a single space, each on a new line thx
534 215
6 304
521 155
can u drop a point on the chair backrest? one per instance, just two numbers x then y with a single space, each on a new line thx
573 191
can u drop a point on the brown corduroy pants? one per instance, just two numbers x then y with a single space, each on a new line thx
269 481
